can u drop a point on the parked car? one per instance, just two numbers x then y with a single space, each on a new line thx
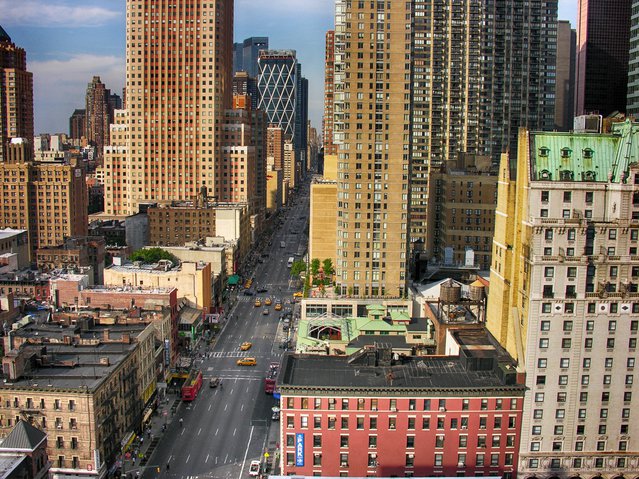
254 468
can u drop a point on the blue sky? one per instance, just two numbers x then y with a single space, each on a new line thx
69 41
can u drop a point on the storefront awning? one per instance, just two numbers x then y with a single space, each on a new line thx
233 280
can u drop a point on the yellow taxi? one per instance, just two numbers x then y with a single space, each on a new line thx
245 346
298 294
268 301
278 306
246 362
258 303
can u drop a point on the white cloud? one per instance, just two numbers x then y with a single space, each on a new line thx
46 13
59 86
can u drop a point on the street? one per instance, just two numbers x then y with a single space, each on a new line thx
227 427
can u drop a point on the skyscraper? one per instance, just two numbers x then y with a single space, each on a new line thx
16 94
98 115
245 55
632 107
277 84
329 71
77 125
603 43
372 131
178 87
565 94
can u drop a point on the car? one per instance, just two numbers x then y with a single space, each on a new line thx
268 301
245 346
265 255
262 290
254 468
214 382
246 362
257 303
248 293
298 294
265 311
278 306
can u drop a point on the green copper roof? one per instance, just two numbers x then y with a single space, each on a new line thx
585 156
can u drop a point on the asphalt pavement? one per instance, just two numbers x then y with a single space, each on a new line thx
228 426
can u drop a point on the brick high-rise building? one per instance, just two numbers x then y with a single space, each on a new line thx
329 80
50 199
563 298
448 78
275 147
16 94
603 45
77 124
178 88
98 115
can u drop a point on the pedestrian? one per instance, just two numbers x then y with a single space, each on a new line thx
168 466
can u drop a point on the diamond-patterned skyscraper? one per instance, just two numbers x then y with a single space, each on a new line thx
277 84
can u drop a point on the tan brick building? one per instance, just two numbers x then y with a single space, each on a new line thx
86 403
75 253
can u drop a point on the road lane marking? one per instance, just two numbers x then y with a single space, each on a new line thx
182 433
198 433
207 459
242 408
211 404
187 458
215 459
234 431
225 458
217 430
246 452
226 406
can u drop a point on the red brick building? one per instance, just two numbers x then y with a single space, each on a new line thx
372 415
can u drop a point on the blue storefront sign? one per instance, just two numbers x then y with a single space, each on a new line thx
299 449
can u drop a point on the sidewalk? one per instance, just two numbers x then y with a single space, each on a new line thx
135 462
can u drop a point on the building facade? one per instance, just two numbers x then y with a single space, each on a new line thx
632 102
171 164
565 93
245 55
16 94
366 415
77 124
603 44
98 115
329 85
563 298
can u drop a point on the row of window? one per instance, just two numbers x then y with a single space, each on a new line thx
583 396
362 404
560 413
30 403
481 441
577 463
411 422
564 363
591 308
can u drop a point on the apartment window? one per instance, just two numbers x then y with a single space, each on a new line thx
317 459
603 413
410 460
463 441
317 440
372 442
585 379
426 423
543 343
331 422
545 325
360 423
583 396
426 404
465 404
538 414
549 272
343 441
344 404
559 430
539 397
581 414
533 463
344 423
545 308
567 325
331 403
572 232
565 343
545 196
602 429
343 460
372 423
71 405
410 441
610 343
439 441
560 413
534 446
59 442
393 404
548 234
541 380
561 397
564 363
317 422
562 380
392 422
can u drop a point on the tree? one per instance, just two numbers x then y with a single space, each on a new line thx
153 255
327 266
315 266
297 267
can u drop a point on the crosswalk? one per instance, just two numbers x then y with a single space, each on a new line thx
231 354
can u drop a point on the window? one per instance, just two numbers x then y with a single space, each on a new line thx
543 343
548 234
463 441
603 413
567 325
572 233
564 363
560 413
585 379
344 422
360 423
534 446
343 441
562 380
426 423
542 363
612 325
559 430
546 308
583 396
317 459
539 397
545 325
549 272
344 404
545 196
567 196
538 414
372 442
410 441
410 460
565 343
561 397
372 424
392 422
541 379
317 440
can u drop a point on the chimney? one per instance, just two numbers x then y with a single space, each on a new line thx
105 335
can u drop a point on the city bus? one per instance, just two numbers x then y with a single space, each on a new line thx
290 261
192 386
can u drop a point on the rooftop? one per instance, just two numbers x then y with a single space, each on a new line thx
451 373
7 233
589 157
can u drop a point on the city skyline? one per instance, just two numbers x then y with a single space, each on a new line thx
63 59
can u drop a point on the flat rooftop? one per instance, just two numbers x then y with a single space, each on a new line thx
10 233
425 372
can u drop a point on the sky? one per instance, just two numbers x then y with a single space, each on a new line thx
69 41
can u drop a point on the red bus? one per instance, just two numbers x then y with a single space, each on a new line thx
271 376
192 386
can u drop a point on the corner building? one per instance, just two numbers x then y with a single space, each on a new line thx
178 85
564 299
366 415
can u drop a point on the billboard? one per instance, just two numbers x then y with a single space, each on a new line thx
299 449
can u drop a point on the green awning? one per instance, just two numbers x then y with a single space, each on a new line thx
233 280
